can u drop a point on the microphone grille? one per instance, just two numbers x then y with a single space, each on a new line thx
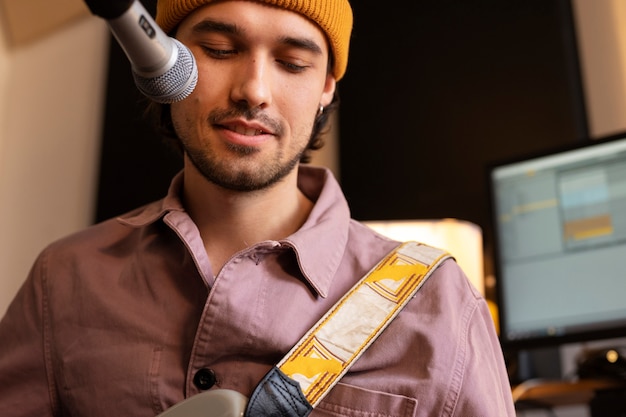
176 83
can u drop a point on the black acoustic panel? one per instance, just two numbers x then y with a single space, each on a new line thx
436 92
135 166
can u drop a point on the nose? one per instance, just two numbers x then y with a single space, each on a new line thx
252 84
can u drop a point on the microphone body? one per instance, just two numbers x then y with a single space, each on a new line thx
163 68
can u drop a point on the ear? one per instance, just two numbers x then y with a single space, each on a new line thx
329 90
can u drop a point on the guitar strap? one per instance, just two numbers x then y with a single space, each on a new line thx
325 353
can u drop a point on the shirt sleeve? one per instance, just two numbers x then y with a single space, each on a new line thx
484 387
24 387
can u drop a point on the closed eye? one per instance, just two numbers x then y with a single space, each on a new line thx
219 53
290 66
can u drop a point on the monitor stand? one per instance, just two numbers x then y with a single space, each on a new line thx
537 363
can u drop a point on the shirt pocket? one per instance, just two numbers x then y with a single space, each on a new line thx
350 401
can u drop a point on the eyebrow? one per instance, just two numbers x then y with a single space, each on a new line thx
302 43
209 26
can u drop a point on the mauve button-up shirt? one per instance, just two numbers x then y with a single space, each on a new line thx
119 319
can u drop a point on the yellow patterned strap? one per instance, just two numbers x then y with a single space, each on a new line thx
326 352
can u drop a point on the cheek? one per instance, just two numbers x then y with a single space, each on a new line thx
300 106
208 94
178 115
303 96
301 124
213 84
185 117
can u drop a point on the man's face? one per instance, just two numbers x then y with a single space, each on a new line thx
262 77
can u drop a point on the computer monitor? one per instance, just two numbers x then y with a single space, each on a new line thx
559 222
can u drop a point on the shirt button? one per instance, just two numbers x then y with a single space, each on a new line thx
204 379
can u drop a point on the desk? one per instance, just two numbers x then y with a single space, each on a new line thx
547 393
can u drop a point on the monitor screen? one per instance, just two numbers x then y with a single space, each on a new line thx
560 244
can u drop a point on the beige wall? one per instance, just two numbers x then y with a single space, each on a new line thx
601 32
51 96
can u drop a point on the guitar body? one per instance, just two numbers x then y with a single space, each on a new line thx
215 403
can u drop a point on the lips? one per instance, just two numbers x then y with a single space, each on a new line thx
246 131
246 128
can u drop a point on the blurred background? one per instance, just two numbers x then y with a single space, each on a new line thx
433 94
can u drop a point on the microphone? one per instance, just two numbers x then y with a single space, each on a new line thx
163 68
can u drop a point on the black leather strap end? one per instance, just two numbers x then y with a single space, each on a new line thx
278 396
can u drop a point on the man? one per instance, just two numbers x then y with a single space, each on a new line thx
210 287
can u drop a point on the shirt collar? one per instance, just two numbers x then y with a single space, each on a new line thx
318 245
321 241
150 213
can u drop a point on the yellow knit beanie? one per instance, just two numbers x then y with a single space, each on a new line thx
333 16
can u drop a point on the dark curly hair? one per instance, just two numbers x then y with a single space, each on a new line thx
160 115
